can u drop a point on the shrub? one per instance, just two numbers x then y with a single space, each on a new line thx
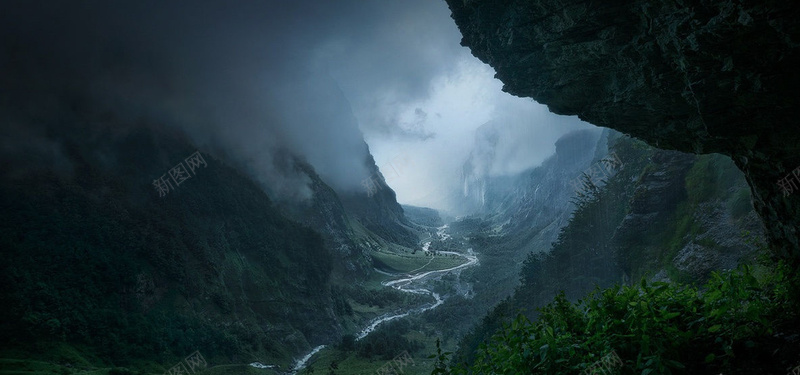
655 328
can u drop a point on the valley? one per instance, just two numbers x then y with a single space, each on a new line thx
358 187
417 281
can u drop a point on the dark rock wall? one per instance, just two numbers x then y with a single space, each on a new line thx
695 76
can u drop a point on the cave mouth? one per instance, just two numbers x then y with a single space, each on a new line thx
694 77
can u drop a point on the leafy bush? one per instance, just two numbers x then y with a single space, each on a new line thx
655 328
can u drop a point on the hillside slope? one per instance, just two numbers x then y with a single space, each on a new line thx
652 219
94 257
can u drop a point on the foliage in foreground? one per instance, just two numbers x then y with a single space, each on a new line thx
727 326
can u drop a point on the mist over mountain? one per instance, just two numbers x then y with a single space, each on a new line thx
242 79
350 187
485 191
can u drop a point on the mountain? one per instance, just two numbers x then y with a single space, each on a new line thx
376 208
541 195
658 217
124 243
517 215
352 204
354 222
695 76
476 171
95 257
324 212
536 202
423 216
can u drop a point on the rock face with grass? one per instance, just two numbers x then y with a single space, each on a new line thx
695 76
664 215
375 206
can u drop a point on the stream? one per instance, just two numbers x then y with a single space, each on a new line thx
409 283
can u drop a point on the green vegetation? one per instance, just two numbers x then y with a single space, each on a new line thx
100 273
629 229
727 326
97 262
412 335
385 342
418 262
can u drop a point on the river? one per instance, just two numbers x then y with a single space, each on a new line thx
409 283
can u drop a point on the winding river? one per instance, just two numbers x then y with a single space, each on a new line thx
412 284
409 283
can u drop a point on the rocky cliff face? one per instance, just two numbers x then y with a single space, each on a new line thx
476 171
350 221
500 196
694 75
663 215
376 208
539 200
324 212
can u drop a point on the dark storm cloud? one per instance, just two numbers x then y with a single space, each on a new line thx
248 76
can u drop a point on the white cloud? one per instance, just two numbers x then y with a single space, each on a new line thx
424 171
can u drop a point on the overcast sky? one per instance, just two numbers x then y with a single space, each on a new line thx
254 76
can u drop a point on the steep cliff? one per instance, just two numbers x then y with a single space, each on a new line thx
375 206
351 221
664 215
324 212
540 197
694 75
